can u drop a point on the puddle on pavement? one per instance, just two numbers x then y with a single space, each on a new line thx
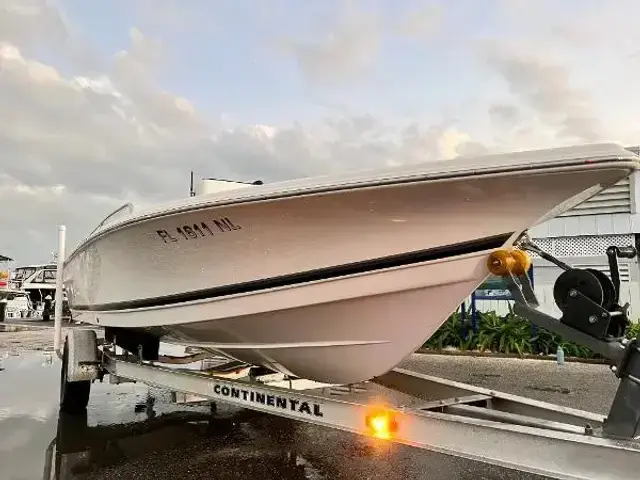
16 327
121 436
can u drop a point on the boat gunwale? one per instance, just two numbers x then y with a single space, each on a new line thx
332 272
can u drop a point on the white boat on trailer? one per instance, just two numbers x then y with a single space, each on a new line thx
455 418
452 418
334 279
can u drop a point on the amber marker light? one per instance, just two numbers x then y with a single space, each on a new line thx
382 424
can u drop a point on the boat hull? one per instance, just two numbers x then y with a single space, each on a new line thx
333 287
337 331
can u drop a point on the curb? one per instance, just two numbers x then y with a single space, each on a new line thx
547 358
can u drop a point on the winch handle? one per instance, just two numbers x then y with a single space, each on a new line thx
613 253
627 252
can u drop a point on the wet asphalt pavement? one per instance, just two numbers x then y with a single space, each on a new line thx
125 435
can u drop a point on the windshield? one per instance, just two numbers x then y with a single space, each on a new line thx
124 209
23 273
49 276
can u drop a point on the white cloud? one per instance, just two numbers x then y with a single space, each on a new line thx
346 49
421 23
568 73
348 43
81 141
30 22
545 88
77 147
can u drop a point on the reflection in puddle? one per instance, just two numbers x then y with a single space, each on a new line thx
21 327
7 327
133 431
174 445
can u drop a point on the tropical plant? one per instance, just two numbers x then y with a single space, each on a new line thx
547 343
448 335
633 330
455 332
508 334
470 340
572 349
543 341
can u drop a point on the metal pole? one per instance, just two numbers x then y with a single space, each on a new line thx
57 323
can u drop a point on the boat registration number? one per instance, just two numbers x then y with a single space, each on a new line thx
198 230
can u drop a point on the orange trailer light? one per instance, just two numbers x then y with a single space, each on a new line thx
382 424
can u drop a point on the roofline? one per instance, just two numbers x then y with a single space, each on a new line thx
256 182
37 265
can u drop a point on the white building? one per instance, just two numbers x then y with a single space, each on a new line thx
580 238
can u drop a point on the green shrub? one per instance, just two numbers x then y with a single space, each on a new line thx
544 341
448 335
633 331
547 343
507 334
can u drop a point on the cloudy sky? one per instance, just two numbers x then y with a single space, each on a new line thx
108 101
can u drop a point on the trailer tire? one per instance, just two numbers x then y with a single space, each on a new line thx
74 396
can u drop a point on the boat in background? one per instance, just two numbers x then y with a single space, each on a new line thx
4 272
38 280
8 293
335 279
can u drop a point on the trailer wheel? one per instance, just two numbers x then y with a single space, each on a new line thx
74 396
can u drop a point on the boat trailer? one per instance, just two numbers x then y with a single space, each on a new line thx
442 416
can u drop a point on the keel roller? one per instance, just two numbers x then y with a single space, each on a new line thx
504 262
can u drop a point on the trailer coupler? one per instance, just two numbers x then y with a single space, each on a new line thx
592 316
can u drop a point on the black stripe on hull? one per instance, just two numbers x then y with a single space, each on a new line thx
366 266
